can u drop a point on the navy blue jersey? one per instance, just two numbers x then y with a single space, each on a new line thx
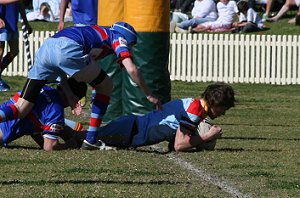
85 12
10 14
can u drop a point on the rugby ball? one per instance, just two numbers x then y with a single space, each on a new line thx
204 127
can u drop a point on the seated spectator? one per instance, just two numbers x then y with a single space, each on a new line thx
181 10
183 6
286 7
54 4
267 6
203 11
249 20
44 14
226 10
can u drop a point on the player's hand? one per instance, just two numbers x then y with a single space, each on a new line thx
61 25
155 101
77 109
215 132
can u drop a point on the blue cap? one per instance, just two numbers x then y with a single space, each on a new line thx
127 31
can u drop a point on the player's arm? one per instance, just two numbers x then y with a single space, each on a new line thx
139 80
72 99
185 139
62 11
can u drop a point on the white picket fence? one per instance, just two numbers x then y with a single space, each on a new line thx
235 58
19 66
232 58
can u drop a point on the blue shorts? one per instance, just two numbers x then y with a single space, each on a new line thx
14 129
118 132
124 132
58 57
7 36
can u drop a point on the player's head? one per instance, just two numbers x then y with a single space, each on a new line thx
219 97
127 31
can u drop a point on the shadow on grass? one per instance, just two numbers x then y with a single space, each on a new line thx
260 138
22 147
247 150
151 150
259 125
87 181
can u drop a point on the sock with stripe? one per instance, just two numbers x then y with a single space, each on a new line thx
8 112
99 107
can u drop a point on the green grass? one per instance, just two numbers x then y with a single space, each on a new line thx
258 155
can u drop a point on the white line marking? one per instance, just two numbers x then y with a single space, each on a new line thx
223 185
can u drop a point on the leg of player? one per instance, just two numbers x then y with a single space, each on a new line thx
7 59
102 85
25 103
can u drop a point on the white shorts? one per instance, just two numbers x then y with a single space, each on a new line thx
216 25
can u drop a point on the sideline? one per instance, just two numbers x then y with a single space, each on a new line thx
223 185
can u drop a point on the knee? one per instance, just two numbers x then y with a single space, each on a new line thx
23 107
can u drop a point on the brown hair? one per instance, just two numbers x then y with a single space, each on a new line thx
219 94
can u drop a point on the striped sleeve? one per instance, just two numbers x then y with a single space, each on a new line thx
195 113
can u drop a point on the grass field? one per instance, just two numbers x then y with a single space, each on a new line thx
258 156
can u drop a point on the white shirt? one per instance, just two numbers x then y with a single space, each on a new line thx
204 9
253 17
226 12
54 4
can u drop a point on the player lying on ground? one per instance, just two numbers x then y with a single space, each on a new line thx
176 123
71 52
45 123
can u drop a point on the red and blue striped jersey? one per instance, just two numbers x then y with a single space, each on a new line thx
46 117
97 37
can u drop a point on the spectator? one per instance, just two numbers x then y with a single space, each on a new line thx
226 10
53 4
269 5
83 12
45 13
203 11
183 5
286 7
9 15
181 11
249 20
